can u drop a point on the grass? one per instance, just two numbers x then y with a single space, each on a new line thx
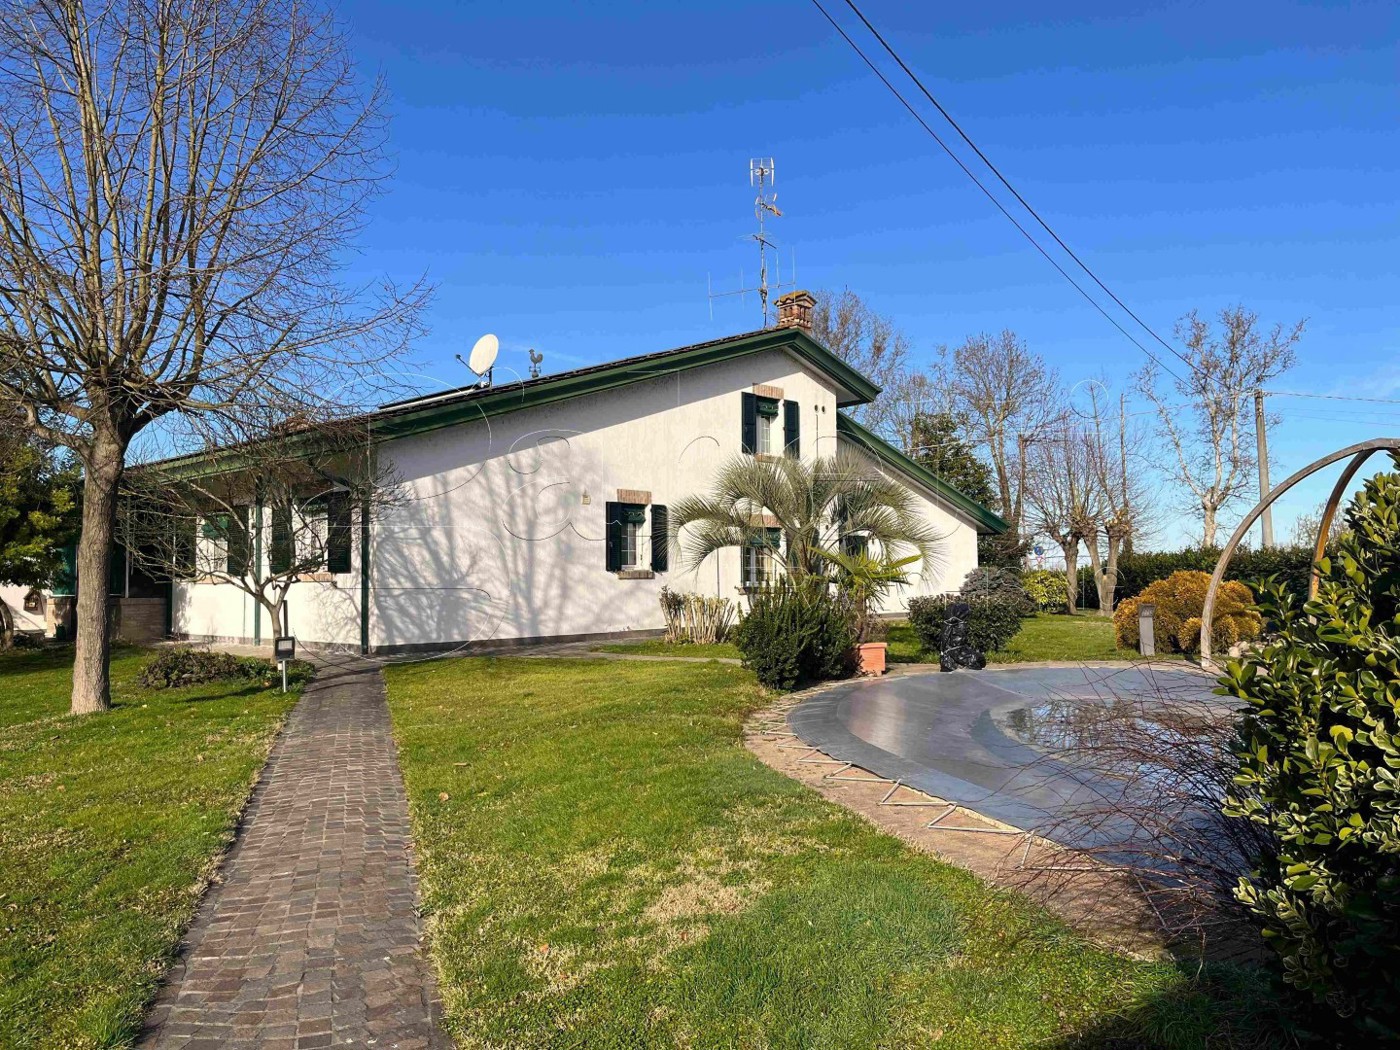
660 647
604 865
110 826
1045 637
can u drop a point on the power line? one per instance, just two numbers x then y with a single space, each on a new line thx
992 197
1334 397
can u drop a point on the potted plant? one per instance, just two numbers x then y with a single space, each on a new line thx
863 581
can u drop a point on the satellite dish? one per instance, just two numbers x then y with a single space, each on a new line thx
483 354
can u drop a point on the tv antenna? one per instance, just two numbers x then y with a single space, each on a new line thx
763 176
482 357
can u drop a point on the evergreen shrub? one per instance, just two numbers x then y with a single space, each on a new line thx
1319 767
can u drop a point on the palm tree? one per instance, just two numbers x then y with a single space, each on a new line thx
831 503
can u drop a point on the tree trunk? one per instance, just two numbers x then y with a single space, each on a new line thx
1107 578
102 473
1096 566
1208 529
1071 576
7 627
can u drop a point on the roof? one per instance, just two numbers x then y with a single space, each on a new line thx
429 412
882 450
434 411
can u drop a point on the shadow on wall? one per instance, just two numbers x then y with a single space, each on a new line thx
499 551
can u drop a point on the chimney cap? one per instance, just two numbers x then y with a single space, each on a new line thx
795 309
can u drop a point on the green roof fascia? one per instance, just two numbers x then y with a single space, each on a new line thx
986 521
449 412
214 462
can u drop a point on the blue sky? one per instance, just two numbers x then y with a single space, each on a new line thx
569 176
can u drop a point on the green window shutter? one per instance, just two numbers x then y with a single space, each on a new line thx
613 512
338 532
660 538
792 429
215 527
239 547
748 433
279 550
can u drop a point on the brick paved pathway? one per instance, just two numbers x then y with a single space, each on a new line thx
312 937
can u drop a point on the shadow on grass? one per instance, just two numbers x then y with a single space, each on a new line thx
1224 1007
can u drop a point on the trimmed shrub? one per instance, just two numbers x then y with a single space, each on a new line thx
998 585
178 666
1046 588
795 632
990 623
1319 768
1180 599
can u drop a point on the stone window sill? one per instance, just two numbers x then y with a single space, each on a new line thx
635 574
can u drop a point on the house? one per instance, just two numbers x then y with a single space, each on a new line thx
536 510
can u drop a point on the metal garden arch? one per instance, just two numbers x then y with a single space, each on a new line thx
1361 452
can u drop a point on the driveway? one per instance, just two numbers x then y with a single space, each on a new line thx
993 740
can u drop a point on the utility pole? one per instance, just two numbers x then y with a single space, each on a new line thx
1266 520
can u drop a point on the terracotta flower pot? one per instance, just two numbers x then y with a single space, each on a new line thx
872 657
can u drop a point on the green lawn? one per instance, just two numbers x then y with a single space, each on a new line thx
658 647
1045 637
604 865
109 827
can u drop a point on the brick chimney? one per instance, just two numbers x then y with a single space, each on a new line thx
795 310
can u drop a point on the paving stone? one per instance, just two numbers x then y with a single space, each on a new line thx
315 915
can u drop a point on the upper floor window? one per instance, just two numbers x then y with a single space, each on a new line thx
761 432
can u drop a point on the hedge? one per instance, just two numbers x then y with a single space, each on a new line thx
1136 572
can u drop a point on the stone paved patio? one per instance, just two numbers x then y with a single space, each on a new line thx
312 938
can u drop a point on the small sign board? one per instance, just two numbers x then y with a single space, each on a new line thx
284 648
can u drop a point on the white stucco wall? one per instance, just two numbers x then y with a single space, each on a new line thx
14 598
955 552
495 541
323 612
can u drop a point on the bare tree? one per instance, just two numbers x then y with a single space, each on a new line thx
876 348
1309 523
178 185
1211 430
262 517
1063 497
1112 454
1009 398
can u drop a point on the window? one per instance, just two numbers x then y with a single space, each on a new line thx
311 536
761 557
759 425
766 411
626 539
631 541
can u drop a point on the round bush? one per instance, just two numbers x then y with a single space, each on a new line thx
795 632
999 585
1180 599
990 623
1046 588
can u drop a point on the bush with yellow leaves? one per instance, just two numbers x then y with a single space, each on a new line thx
1179 599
